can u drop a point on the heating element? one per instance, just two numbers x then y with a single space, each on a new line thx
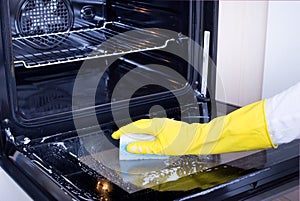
37 17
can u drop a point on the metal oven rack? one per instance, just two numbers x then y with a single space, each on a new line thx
90 43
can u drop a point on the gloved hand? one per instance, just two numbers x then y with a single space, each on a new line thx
242 130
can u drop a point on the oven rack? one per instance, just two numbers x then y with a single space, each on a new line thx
78 45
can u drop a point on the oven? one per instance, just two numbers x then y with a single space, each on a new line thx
74 71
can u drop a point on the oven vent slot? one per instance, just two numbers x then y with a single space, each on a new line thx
91 43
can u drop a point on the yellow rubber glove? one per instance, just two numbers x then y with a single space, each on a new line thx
242 130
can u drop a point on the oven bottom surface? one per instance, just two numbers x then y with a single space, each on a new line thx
79 168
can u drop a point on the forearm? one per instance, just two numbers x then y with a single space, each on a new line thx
260 125
283 115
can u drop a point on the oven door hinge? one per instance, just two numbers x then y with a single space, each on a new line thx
9 137
6 136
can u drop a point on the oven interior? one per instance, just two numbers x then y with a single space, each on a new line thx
52 39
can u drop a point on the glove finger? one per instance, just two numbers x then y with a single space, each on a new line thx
152 147
142 126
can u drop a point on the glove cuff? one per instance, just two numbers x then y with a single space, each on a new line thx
242 130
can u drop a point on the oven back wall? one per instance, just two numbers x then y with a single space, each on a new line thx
172 15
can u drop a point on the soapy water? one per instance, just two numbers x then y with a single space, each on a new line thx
136 175
63 158
103 158
133 175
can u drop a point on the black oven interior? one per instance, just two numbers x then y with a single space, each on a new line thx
52 40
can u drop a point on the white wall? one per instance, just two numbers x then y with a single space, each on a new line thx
282 60
258 49
241 48
9 189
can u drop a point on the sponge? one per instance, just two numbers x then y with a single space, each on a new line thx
126 139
